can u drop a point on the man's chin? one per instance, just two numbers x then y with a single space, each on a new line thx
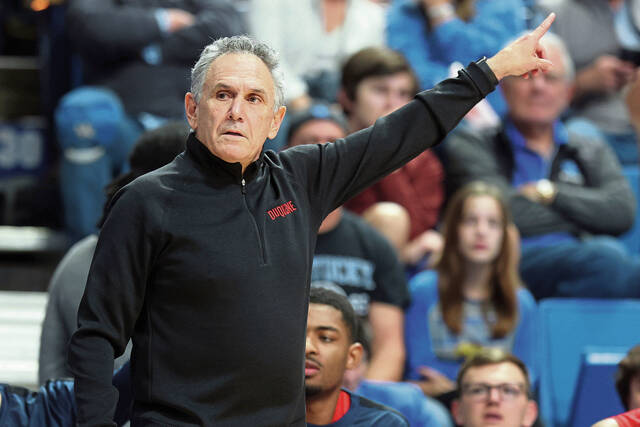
312 390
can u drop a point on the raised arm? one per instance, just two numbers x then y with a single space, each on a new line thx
336 172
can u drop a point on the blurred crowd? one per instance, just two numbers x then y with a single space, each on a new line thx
443 260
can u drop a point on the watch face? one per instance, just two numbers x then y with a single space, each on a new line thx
545 188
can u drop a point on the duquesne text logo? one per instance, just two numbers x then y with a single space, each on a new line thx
282 210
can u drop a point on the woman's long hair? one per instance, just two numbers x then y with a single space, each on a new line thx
504 278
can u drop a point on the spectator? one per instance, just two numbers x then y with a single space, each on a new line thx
313 38
136 57
153 149
628 379
601 72
352 258
433 34
632 99
475 300
375 82
494 390
567 192
330 350
53 405
626 419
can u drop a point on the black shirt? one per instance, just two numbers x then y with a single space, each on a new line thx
355 257
208 270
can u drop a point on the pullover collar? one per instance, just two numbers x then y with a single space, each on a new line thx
217 167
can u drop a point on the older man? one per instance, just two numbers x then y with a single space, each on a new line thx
494 391
206 262
567 193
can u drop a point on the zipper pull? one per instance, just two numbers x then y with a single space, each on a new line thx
244 186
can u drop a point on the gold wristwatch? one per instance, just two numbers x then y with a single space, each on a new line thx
546 191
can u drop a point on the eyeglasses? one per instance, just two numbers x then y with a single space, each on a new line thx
482 391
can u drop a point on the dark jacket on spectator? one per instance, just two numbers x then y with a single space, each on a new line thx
124 48
602 203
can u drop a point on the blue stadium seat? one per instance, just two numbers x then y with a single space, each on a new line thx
631 238
596 397
567 327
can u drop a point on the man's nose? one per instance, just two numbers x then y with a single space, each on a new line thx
310 347
538 81
494 395
235 109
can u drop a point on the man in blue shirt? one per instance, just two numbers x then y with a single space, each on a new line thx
567 192
54 404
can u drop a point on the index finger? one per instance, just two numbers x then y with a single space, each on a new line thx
544 26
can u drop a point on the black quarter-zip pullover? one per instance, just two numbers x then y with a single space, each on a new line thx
208 270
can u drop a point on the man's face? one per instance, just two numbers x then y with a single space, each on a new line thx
480 231
540 100
235 113
379 96
509 407
316 131
634 392
329 351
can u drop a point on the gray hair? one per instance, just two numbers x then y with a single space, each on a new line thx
238 44
553 41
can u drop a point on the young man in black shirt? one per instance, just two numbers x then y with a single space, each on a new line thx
331 349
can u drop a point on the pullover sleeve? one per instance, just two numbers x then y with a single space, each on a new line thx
213 19
112 301
104 31
606 204
336 172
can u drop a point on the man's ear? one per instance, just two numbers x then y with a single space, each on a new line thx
456 411
277 121
191 110
531 414
354 356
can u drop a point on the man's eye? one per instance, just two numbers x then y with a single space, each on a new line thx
476 390
222 95
325 338
254 99
510 390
